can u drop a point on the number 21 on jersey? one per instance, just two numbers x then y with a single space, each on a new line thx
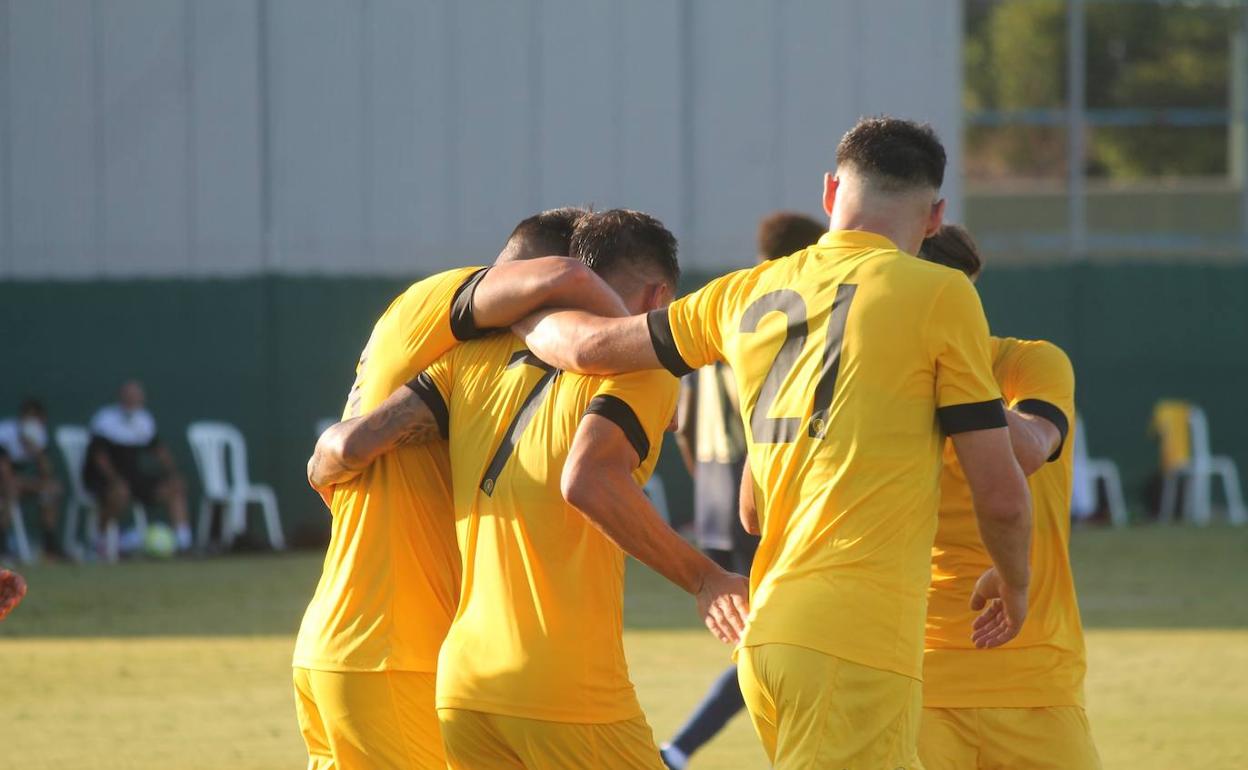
785 430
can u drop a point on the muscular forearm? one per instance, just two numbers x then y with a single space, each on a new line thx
588 344
1006 535
348 447
1001 498
585 291
512 291
329 464
1033 439
614 503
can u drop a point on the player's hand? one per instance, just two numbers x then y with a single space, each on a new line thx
325 491
12 589
1006 610
724 604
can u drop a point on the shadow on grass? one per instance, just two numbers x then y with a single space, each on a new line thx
1147 577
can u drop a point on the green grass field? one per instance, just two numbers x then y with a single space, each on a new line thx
187 664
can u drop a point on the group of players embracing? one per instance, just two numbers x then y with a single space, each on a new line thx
486 484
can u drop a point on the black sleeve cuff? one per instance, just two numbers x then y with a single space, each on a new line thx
660 325
962 418
620 413
463 326
423 386
1038 408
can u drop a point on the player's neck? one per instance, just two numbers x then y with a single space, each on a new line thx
901 235
893 219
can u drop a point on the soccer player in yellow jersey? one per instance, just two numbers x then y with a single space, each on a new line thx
532 673
368 645
853 361
1020 706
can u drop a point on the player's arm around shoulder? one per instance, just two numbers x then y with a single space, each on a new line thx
1040 389
620 433
682 337
415 413
585 343
511 291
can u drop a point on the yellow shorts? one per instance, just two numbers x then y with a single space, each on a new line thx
479 741
368 720
813 710
1053 738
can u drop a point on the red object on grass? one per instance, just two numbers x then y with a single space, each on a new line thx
12 589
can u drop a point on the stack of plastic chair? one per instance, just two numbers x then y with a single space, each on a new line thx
73 441
1091 472
221 458
1186 458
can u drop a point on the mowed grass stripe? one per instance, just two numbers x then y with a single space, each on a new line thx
187 665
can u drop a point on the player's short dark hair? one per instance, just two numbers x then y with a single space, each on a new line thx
32 407
952 246
619 238
548 233
896 154
786 232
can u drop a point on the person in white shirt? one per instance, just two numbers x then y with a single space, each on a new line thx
26 472
127 461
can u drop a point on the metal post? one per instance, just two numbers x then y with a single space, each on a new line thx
1237 131
1076 144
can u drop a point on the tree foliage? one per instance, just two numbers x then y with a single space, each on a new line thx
1140 55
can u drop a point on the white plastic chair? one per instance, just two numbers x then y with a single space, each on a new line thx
1089 471
1199 471
73 440
20 541
221 458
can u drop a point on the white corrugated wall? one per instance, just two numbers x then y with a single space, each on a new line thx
221 137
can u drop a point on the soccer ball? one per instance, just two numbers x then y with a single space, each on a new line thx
160 542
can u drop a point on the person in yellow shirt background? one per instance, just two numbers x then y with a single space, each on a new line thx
366 653
711 438
852 360
547 473
1020 706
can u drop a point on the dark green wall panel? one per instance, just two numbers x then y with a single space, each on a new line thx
275 354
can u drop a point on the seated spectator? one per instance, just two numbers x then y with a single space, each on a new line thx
126 461
26 472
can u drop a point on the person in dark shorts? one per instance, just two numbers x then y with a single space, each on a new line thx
26 472
126 461
711 438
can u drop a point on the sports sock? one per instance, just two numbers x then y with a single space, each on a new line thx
183 535
674 758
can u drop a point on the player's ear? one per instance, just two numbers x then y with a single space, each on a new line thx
936 218
830 183
655 296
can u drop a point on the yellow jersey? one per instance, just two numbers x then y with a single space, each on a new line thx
538 632
850 357
390 580
1045 664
